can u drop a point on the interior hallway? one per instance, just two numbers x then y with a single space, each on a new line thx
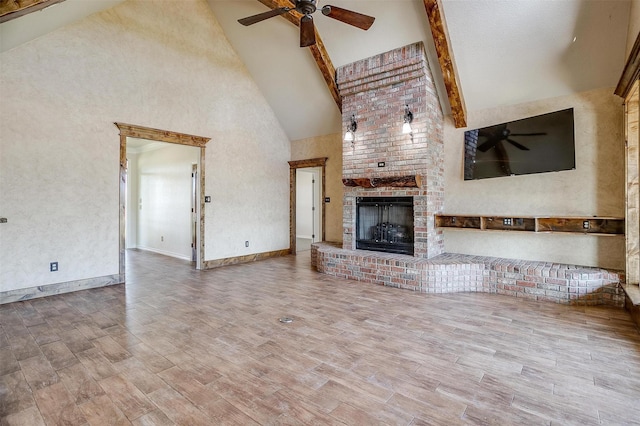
180 346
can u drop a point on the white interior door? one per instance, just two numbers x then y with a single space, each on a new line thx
308 207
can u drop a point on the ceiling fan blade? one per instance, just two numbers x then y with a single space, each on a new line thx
528 134
493 131
486 146
350 17
517 145
250 20
307 31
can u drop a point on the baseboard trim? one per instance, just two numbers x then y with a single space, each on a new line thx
165 253
216 263
59 288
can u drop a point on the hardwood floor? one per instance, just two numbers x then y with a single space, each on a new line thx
180 346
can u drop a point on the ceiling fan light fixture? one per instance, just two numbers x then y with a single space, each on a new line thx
408 118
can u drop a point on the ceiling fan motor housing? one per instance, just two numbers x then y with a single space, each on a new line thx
306 7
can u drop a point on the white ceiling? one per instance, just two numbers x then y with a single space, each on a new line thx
506 51
28 27
288 74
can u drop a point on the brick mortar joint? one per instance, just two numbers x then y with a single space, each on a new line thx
411 53
381 74
376 85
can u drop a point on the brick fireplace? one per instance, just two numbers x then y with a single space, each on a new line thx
376 90
384 162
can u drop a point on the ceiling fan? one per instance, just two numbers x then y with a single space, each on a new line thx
500 133
307 8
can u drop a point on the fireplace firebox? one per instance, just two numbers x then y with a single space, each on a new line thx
385 224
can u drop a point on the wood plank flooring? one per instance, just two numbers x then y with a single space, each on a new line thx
180 346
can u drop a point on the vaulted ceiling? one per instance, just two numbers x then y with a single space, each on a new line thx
501 52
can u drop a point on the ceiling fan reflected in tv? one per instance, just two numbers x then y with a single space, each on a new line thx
540 144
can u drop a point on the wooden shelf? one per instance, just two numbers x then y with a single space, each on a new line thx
509 223
581 225
469 222
586 225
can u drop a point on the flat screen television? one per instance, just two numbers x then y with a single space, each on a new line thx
544 143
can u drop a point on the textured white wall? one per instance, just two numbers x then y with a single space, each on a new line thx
595 187
161 64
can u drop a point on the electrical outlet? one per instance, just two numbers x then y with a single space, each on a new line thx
246 243
162 238
506 221
381 164
53 266
585 224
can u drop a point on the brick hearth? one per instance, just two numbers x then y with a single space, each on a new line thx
454 273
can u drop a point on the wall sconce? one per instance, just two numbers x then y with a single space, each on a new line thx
408 118
351 130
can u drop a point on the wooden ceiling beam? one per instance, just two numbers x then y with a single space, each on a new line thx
12 9
318 50
445 58
326 68
631 71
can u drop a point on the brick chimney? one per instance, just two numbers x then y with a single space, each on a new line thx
376 91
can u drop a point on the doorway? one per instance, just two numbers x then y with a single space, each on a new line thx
194 212
161 198
317 164
139 132
308 210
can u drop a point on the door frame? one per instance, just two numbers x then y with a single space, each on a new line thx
632 193
302 164
141 132
628 88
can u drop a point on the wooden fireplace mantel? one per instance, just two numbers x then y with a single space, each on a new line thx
413 181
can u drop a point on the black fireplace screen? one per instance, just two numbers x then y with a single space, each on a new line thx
385 224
